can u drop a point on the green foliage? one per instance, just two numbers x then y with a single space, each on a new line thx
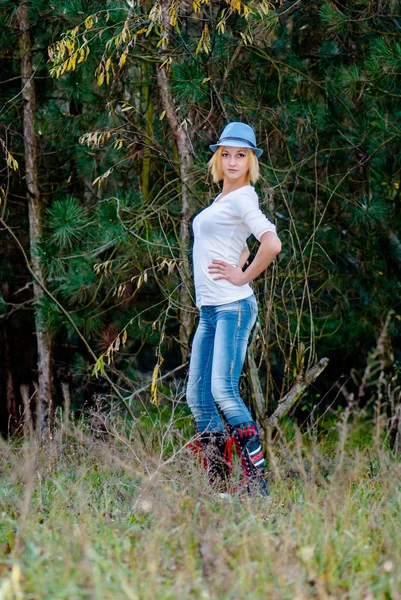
335 20
67 222
189 82
368 212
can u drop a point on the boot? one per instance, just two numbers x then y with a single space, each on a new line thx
210 449
249 449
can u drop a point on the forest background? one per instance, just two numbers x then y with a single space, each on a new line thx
108 109
107 112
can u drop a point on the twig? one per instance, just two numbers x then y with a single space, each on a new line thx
145 387
291 398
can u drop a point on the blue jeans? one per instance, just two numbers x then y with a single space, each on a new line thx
218 354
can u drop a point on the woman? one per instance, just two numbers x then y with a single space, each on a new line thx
228 307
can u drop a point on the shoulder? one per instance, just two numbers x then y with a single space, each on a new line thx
244 197
245 194
246 191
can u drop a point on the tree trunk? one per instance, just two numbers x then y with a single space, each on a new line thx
185 157
258 401
35 223
148 105
26 405
11 400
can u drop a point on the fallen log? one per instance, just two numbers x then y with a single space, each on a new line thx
287 402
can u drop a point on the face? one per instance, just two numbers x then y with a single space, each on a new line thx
234 162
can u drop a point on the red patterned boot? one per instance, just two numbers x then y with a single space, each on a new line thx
249 449
210 448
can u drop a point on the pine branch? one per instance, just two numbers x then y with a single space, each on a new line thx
67 315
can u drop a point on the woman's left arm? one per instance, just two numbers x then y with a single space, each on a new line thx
270 246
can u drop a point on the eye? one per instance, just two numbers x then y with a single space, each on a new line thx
241 155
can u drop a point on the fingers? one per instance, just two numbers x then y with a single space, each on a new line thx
222 268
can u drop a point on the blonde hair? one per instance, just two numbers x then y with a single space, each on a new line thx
216 171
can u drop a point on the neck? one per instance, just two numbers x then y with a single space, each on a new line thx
231 186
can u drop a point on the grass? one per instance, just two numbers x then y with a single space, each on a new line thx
125 517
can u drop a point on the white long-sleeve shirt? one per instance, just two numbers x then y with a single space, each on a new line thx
220 232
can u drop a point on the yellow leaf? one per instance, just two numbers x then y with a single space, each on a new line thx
99 367
162 115
153 388
127 107
123 59
263 7
88 22
81 55
204 42
73 60
155 375
124 338
206 79
11 162
100 79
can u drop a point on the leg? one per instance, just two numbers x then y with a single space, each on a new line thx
234 323
199 394
210 444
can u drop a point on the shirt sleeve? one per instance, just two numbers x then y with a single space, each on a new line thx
246 207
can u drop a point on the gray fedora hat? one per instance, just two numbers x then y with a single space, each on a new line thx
238 135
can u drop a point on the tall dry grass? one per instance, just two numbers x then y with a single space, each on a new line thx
129 515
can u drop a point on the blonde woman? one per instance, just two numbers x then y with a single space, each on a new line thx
228 307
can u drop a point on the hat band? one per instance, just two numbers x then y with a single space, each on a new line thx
237 139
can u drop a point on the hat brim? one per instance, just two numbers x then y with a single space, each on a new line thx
236 144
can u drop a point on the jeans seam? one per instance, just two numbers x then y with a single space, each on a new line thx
239 316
